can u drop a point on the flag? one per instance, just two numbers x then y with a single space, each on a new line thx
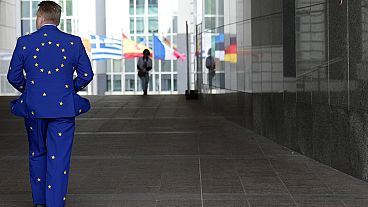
231 53
168 42
87 45
141 40
132 49
103 48
219 45
162 51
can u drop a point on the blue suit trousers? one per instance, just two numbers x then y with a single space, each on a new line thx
50 146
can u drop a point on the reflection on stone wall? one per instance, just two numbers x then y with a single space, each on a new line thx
301 78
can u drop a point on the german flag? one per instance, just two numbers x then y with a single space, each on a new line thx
231 53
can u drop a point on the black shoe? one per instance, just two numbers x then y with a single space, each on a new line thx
39 205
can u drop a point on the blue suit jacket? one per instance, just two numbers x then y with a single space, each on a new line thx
49 58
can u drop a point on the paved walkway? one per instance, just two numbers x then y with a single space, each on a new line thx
161 151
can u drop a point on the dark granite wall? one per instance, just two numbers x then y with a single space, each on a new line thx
309 79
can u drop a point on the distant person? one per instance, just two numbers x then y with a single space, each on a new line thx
211 66
144 66
49 103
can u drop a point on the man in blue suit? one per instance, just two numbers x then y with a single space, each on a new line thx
42 69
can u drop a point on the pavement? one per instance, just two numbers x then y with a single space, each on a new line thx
165 151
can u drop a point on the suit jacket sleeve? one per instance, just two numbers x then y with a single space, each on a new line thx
83 68
15 74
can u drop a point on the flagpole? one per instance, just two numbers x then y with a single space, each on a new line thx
153 63
188 55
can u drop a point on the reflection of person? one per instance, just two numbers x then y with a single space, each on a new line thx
211 66
49 102
144 65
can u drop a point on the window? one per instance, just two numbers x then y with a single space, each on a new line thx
152 6
221 7
26 28
69 8
153 24
117 82
29 11
130 65
131 25
25 8
210 22
61 25
131 7
141 40
69 26
175 82
150 43
108 83
34 8
166 82
140 25
210 7
34 25
175 65
129 83
139 85
140 7
156 65
150 87
214 7
166 66
175 25
109 66
117 66
157 82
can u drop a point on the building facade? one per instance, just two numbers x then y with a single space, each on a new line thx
9 31
300 77
144 19
68 22
137 19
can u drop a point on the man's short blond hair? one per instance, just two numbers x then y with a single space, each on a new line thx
50 10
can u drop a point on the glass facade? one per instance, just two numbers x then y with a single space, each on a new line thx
68 21
214 20
246 38
144 18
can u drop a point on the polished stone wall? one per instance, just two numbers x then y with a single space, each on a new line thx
301 78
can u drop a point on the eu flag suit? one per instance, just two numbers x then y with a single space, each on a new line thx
42 68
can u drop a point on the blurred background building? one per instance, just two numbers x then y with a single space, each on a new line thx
137 19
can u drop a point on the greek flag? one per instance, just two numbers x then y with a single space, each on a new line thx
103 48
